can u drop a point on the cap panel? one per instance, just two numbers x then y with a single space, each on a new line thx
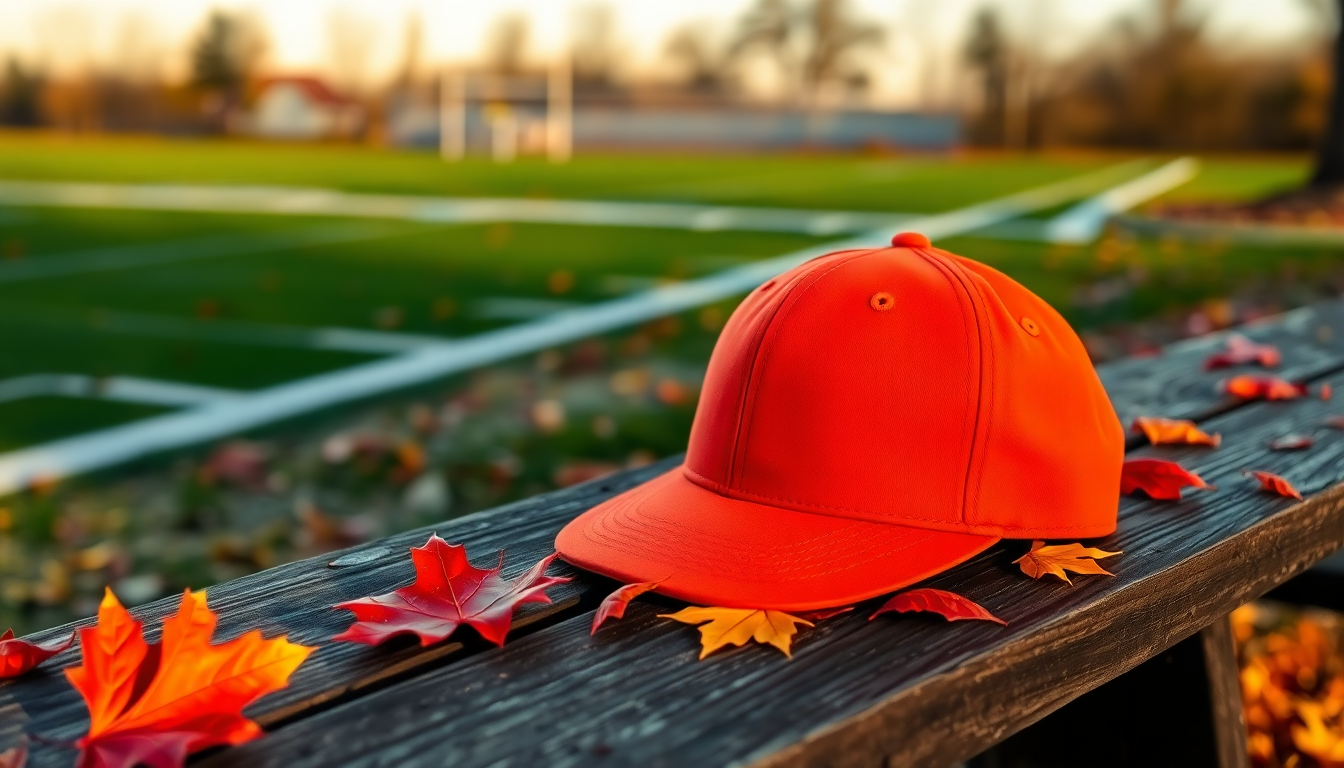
1052 444
713 441
860 412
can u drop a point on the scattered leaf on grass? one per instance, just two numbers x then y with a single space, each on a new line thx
1159 479
155 704
1058 558
613 607
1174 431
949 605
1272 483
1248 387
1242 351
738 625
1292 442
19 656
448 592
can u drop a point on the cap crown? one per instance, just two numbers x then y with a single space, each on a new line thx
914 387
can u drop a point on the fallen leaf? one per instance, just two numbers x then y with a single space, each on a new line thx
738 625
1272 483
14 757
155 704
1292 442
1327 392
613 607
1316 740
448 592
1058 558
1159 479
949 605
1241 351
19 656
1335 421
1174 431
1248 387
824 613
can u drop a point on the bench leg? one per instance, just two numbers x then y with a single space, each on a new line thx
1180 709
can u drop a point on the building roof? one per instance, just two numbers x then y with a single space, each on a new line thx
314 88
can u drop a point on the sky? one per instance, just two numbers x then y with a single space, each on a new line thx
916 62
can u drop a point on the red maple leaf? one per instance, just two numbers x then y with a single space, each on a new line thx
821 614
1272 483
613 607
15 757
19 656
155 704
1240 351
448 592
1157 478
949 605
1248 387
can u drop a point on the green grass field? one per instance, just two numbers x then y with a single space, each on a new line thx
206 320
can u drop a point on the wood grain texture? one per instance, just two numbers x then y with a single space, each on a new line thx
908 690
296 600
1175 385
1224 676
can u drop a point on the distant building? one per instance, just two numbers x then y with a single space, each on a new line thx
301 109
734 128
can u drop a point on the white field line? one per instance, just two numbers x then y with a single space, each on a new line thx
262 334
115 445
1083 222
177 251
304 201
126 389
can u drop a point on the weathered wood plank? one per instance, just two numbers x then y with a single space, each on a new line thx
911 690
1224 678
1175 385
295 599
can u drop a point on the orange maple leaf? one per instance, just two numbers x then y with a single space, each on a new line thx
738 625
1249 387
1058 558
1179 431
155 704
1272 483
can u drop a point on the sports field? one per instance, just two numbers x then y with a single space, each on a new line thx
112 313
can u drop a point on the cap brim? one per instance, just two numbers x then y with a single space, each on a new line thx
713 550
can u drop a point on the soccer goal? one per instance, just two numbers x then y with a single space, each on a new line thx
507 114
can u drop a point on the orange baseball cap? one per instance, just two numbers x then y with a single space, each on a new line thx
869 419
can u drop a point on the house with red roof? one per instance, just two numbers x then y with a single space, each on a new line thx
302 108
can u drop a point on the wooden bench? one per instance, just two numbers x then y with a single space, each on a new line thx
1145 657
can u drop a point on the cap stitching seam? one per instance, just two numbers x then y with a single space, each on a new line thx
745 439
975 467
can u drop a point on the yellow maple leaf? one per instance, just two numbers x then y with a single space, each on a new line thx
738 625
1058 558
1323 743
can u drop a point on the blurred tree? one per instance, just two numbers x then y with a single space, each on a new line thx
769 27
20 97
1330 156
225 53
506 47
813 46
987 52
594 55
702 62
835 35
349 44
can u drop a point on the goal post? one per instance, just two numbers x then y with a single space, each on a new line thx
520 113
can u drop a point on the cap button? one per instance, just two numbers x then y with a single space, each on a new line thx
910 240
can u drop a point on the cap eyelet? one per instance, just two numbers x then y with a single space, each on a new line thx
1029 326
882 301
